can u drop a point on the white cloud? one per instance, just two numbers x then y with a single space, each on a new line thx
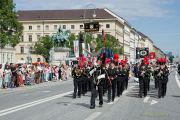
125 8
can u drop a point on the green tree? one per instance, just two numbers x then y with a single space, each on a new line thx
171 59
10 28
70 40
43 46
111 42
86 36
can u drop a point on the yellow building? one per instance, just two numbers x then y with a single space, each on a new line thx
38 23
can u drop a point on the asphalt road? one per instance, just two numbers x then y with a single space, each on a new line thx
53 101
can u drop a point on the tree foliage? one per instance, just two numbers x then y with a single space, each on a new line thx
70 40
171 58
10 28
111 42
43 46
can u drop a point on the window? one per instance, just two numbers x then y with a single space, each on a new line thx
22 38
3 58
81 26
38 27
47 27
30 49
30 27
22 50
7 57
38 37
107 25
11 57
55 27
30 38
72 26
64 26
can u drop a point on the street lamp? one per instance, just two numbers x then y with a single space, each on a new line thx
89 6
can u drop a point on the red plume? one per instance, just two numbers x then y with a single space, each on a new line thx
81 60
123 62
116 56
146 60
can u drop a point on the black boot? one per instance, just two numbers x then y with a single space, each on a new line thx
92 107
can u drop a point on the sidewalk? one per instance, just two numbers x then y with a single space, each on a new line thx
44 84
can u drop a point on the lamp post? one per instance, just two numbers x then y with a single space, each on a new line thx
89 6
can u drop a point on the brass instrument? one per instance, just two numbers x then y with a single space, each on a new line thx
160 73
78 72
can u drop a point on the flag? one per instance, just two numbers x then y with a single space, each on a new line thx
76 48
152 55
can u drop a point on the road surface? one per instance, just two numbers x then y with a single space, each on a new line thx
53 101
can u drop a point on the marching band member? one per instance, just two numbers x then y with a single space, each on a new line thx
155 73
127 69
121 76
77 74
84 79
143 79
111 82
163 74
98 76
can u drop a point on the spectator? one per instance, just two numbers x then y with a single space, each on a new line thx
7 77
1 75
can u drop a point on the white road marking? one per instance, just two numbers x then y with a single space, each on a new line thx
34 103
46 91
93 116
131 87
115 101
125 92
177 79
110 103
153 102
146 99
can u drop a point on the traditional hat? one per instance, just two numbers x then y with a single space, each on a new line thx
162 61
146 60
81 60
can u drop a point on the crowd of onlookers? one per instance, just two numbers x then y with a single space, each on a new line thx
19 75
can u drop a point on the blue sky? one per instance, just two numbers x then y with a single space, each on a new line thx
158 19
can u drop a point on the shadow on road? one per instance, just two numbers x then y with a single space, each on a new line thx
134 92
83 104
176 96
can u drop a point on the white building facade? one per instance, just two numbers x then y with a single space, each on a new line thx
40 23
127 40
7 55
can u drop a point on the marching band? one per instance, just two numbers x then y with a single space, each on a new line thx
112 77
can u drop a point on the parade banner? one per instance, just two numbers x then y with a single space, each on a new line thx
83 49
76 48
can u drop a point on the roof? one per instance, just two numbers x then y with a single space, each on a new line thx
144 36
141 34
73 14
